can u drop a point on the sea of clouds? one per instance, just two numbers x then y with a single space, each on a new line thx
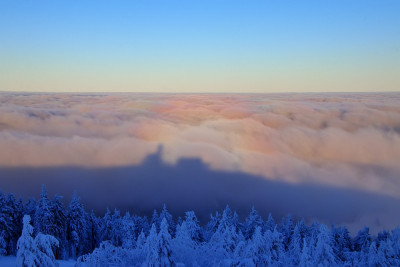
349 140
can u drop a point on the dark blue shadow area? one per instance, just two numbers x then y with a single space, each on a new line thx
191 185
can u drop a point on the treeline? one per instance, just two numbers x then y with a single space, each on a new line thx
162 241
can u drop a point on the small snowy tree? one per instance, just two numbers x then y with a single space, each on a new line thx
44 244
35 252
105 255
27 250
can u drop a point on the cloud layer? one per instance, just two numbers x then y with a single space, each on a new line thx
349 140
340 141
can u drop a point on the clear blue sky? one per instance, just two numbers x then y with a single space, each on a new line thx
200 46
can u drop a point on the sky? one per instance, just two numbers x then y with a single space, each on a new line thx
200 46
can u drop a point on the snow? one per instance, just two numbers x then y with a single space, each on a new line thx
10 261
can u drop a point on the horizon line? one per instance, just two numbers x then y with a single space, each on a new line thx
198 93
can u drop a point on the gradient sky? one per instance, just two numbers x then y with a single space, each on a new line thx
200 46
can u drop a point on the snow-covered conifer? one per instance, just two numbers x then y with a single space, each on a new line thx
44 218
253 221
324 254
269 224
27 250
77 227
128 231
166 215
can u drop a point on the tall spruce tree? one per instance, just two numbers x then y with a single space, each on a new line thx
59 229
44 218
77 228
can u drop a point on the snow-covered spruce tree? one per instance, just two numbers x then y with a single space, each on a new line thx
45 244
396 242
128 232
386 252
211 226
44 218
324 255
164 214
5 222
286 228
164 242
382 236
362 241
30 208
3 244
186 244
253 221
142 225
223 242
155 220
141 249
151 247
257 250
116 232
192 226
372 256
35 252
106 226
312 237
158 246
10 221
295 245
77 233
94 231
270 224
341 243
305 258
276 247
17 208
59 229
179 221
27 250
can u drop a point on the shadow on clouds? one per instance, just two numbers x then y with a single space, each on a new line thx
192 185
